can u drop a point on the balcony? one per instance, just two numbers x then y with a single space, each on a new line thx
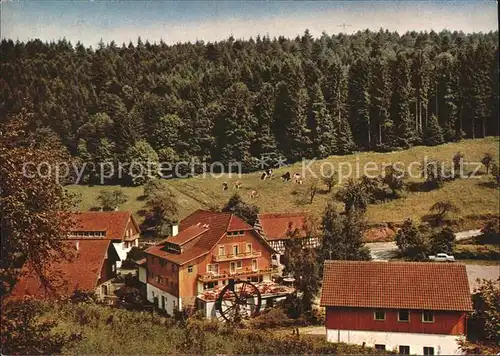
239 256
242 272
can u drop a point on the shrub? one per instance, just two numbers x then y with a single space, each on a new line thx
271 318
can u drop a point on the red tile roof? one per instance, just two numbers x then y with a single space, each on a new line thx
277 226
188 234
114 223
398 285
237 224
80 272
214 225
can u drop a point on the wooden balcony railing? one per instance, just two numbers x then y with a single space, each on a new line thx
239 256
246 272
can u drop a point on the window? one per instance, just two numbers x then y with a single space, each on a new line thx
404 350
249 248
238 264
254 265
404 315
235 250
379 347
222 251
428 350
241 232
379 315
427 317
113 267
232 267
209 285
190 269
213 268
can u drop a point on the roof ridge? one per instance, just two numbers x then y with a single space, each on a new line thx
284 214
396 262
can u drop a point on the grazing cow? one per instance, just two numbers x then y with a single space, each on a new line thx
269 173
224 186
263 176
286 177
237 185
297 179
254 194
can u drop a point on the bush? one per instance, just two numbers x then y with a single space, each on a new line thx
272 318
23 332
80 296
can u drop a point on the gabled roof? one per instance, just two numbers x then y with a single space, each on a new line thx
277 226
114 223
398 285
81 271
199 233
188 234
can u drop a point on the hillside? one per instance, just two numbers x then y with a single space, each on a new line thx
472 196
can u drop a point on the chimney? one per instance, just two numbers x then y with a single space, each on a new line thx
175 229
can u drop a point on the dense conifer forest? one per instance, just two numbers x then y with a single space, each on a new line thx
239 99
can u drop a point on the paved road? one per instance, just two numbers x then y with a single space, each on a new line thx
388 250
482 272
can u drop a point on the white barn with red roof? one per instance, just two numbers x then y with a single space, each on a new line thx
411 307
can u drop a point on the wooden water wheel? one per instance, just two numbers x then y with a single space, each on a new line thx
237 301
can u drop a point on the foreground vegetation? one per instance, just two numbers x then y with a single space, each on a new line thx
475 199
96 329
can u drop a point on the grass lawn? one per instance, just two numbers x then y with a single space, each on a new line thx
472 196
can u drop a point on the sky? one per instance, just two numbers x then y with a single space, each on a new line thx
89 21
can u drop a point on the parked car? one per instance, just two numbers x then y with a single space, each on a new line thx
442 257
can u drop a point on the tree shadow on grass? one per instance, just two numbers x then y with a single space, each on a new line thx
423 187
435 221
489 185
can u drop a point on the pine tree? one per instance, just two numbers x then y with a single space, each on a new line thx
235 125
265 141
401 101
433 134
335 94
360 102
321 124
291 113
380 94
447 95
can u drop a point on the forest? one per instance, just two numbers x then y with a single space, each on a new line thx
236 100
